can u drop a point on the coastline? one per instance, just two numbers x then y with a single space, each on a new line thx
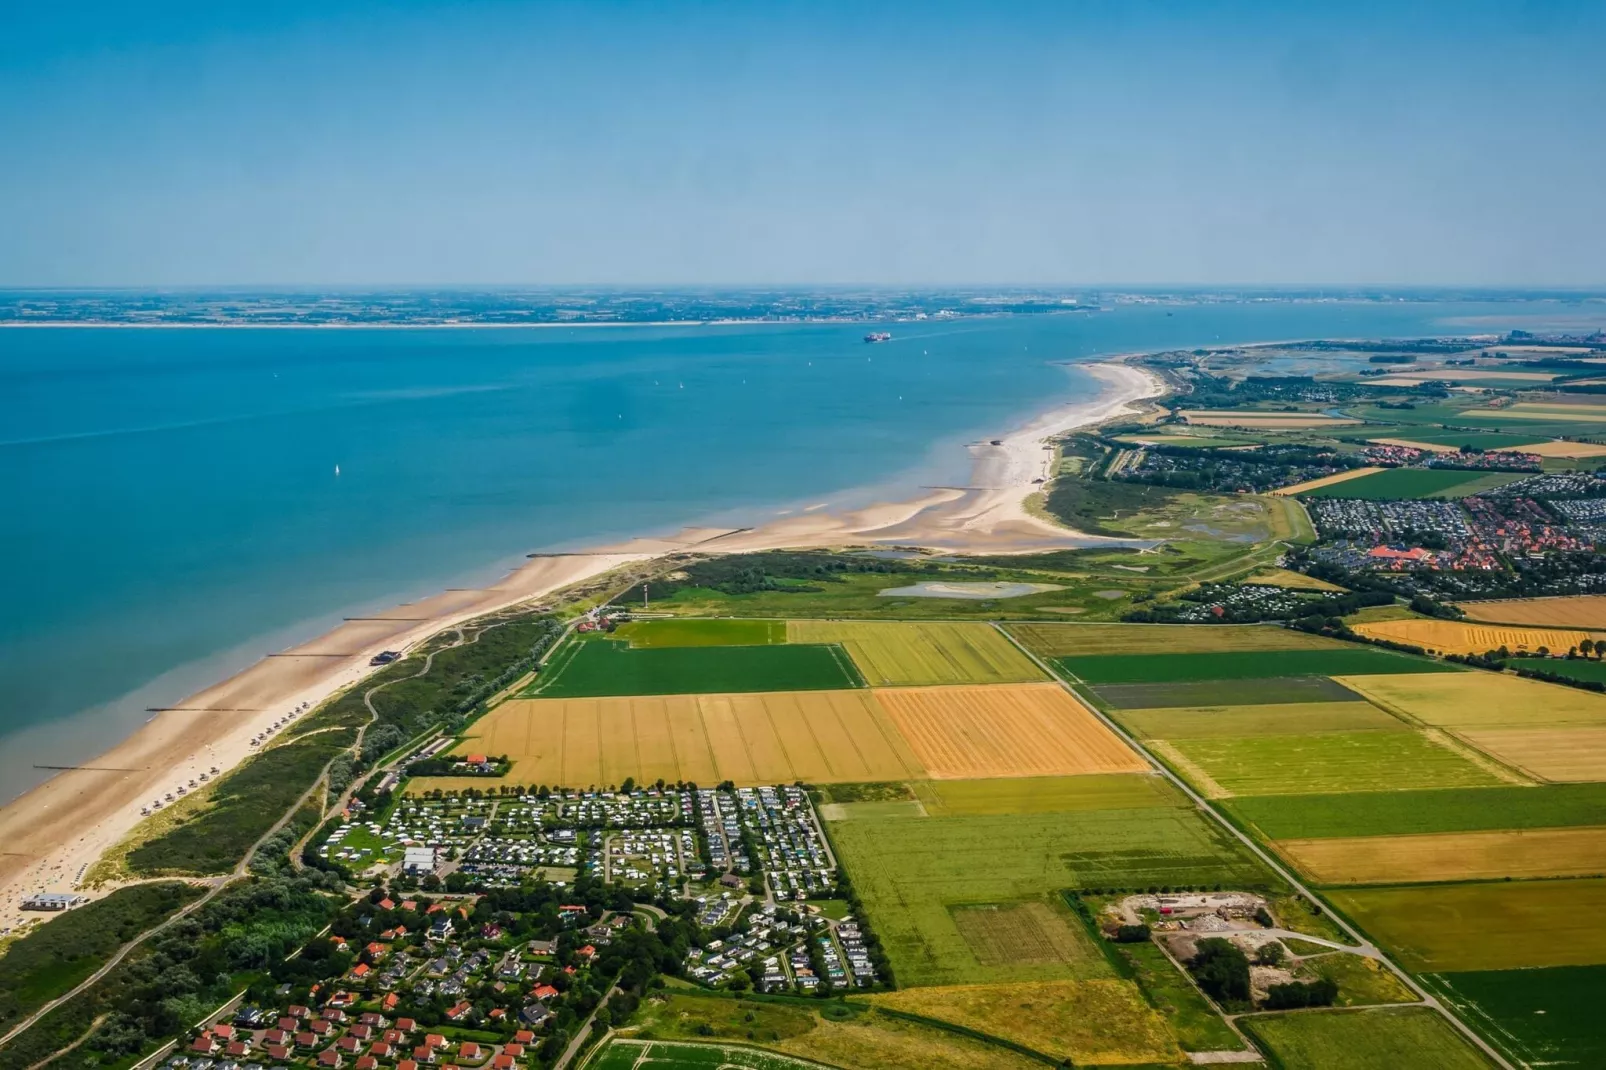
57 830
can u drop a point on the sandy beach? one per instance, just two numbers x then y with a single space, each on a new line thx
53 833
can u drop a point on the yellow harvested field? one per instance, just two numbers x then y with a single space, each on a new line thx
1325 481
1560 754
1451 856
1086 1023
1410 444
1462 700
1461 637
1009 730
1559 448
759 738
893 654
1270 421
1572 611
1297 581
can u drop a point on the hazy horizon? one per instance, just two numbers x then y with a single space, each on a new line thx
1225 145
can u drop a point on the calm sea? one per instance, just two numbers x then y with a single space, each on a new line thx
170 509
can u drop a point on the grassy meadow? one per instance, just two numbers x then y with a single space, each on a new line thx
1100 669
1401 813
890 654
1365 1040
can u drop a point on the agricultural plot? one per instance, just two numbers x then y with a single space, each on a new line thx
1327 762
912 874
892 654
1294 581
1275 690
1243 665
1365 1040
1461 637
962 733
1571 611
678 1055
762 738
1262 420
1481 440
1232 722
1481 700
1548 1017
601 667
1402 813
1066 640
693 631
1452 856
1085 1023
1500 926
1562 754
1395 484
1573 669
1325 481
1042 795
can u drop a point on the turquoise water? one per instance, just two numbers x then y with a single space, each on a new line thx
172 512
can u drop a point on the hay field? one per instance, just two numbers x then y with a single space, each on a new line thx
1572 611
1035 932
1285 718
1297 581
1330 762
1460 637
1563 754
1496 926
1365 1040
1085 1023
892 654
1559 448
1452 856
1063 640
1006 730
1325 481
1415 444
1481 700
751 738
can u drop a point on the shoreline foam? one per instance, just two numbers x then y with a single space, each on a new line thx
57 830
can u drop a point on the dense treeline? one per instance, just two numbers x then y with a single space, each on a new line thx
53 958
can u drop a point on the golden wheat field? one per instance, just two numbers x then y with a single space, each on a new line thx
1573 611
1450 856
896 654
1461 637
1466 700
757 738
1007 730
1559 448
1561 754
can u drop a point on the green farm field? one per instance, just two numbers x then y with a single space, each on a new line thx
1036 795
1231 722
598 667
1330 762
693 631
1483 926
1548 1017
1482 440
1365 1040
1067 640
893 654
1401 483
1241 665
1404 813
1273 690
1589 671
912 874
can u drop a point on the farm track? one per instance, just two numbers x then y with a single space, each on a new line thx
1365 946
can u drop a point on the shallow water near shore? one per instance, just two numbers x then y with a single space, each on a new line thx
173 509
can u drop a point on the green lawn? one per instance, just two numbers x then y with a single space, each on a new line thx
1331 762
1401 813
600 667
692 631
911 874
1274 690
1365 1040
1160 667
1548 1017
1398 483
1577 669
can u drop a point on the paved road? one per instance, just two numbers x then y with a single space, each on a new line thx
1366 947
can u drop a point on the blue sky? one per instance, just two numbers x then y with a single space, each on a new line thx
636 143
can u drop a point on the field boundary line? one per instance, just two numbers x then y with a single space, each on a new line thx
1452 742
1342 921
